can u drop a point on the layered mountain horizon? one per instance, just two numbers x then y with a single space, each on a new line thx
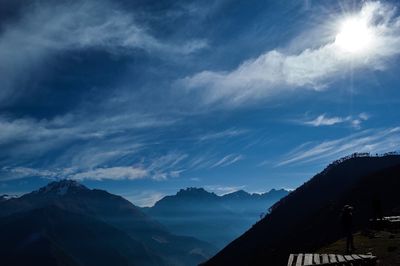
212 218
46 225
63 185
56 214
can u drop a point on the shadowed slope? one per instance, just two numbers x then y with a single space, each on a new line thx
309 217
51 236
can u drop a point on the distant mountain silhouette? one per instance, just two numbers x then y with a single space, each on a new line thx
58 219
309 217
254 204
207 216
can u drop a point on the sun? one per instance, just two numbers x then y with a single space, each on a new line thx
354 36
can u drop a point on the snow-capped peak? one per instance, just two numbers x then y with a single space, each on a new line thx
62 187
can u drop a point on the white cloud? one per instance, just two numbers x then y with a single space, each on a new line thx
275 72
324 120
373 141
113 173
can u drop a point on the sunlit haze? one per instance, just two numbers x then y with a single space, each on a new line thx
354 35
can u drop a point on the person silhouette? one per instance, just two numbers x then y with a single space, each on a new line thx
347 222
377 209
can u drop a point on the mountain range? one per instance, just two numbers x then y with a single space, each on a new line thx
212 218
310 217
65 223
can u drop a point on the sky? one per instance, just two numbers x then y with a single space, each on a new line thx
142 98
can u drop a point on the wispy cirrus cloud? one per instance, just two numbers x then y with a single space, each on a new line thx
29 138
228 160
115 147
77 146
159 168
9 173
373 141
223 134
275 72
89 24
201 161
98 174
45 30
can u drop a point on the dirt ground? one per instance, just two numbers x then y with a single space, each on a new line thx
383 244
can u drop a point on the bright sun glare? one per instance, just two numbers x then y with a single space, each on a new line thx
354 36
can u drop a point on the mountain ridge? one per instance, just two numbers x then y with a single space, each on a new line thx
209 217
191 192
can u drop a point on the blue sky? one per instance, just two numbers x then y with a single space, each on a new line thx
142 98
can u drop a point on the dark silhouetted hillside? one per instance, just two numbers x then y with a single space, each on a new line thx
215 219
52 236
309 217
6 197
74 202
